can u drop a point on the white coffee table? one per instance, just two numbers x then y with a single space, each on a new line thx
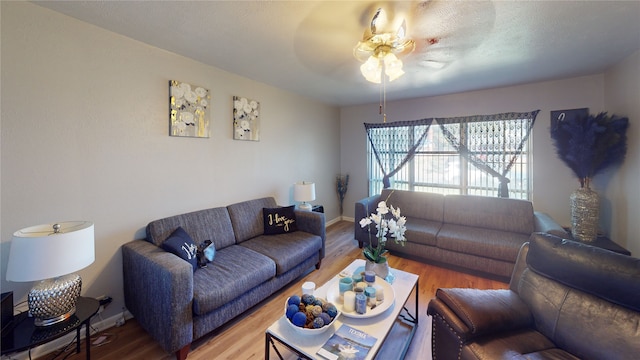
393 329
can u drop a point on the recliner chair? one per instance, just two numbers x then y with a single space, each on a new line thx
566 300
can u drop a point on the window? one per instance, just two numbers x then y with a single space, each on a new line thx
468 155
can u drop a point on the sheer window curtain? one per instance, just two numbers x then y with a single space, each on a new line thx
394 144
492 143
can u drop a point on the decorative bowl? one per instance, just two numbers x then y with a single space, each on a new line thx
389 300
306 331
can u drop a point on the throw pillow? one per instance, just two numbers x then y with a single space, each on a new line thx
181 244
206 253
279 220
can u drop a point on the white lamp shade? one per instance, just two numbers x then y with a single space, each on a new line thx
304 191
39 253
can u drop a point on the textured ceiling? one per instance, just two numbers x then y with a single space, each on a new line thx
307 46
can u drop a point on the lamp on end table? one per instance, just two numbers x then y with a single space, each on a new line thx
303 192
50 254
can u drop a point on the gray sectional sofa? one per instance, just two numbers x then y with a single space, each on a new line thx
472 233
177 305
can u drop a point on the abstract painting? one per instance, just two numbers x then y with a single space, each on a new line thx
188 110
246 119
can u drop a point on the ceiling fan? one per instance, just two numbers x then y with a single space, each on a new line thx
439 34
442 32
381 47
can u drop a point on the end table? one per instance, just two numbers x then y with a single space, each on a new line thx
26 335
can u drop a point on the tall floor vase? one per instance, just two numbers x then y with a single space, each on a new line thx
585 206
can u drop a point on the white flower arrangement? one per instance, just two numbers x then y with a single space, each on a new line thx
394 226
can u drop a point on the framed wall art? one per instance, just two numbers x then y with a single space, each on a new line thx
563 115
188 110
246 119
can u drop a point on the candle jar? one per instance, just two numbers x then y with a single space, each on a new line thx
349 301
345 284
370 292
370 277
357 277
361 303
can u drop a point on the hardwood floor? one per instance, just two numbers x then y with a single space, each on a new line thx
244 337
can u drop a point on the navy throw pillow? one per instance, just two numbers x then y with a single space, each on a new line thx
279 220
181 244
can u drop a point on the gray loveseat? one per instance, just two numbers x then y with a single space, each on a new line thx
477 233
177 305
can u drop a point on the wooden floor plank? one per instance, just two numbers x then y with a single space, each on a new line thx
244 337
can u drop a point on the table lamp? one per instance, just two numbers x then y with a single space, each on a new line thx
50 254
303 192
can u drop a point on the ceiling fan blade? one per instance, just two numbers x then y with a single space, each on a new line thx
374 20
402 30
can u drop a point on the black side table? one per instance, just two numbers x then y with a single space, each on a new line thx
606 243
26 335
602 242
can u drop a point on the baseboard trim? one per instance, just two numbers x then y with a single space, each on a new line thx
338 219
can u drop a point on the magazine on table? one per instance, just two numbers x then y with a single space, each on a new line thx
347 343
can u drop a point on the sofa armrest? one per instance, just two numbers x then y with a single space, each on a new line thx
475 312
158 291
545 223
314 223
363 209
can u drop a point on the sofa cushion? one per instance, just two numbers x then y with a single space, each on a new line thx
279 220
614 277
526 344
210 224
583 324
246 217
286 250
500 245
416 204
235 271
582 297
487 311
181 244
421 231
512 215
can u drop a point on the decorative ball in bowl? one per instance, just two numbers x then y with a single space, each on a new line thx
309 315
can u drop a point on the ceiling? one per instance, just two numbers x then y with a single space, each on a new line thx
307 46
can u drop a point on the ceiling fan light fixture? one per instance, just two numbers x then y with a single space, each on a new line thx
392 66
379 48
372 70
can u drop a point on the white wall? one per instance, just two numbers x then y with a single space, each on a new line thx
553 181
622 89
85 137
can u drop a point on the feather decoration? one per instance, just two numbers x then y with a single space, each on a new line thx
588 145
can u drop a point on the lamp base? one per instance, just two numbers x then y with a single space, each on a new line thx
54 300
305 206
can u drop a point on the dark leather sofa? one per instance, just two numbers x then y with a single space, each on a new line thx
566 300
